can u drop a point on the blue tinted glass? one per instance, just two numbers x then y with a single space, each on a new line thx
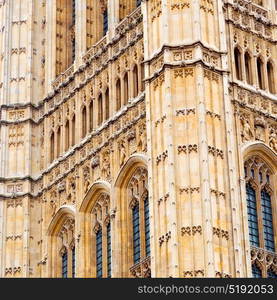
99 254
267 221
252 216
136 234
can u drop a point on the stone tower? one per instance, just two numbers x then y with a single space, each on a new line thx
138 138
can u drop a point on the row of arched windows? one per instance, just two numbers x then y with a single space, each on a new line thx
99 233
97 112
259 198
246 67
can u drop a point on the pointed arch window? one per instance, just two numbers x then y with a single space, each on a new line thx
61 246
99 258
126 88
237 56
260 73
73 130
84 121
107 104
135 81
118 94
248 71
259 195
66 135
102 239
52 147
139 222
91 116
142 76
100 109
270 76
59 141
256 271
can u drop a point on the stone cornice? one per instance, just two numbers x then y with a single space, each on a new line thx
184 64
183 46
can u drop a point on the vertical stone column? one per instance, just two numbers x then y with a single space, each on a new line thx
81 32
50 63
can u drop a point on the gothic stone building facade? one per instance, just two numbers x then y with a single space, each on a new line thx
138 138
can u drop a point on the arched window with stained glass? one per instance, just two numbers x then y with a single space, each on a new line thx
140 220
102 237
259 177
66 242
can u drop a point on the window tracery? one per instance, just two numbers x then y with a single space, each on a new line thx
66 249
259 197
101 239
139 218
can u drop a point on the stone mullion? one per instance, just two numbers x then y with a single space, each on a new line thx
104 250
259 214
81 245
93 254
155 215
51 44
55 266
115 228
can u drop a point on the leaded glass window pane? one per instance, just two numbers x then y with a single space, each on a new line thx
64 265
105 21
136 234
99 258
271 274
267 221
252 216
256 272
73 262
